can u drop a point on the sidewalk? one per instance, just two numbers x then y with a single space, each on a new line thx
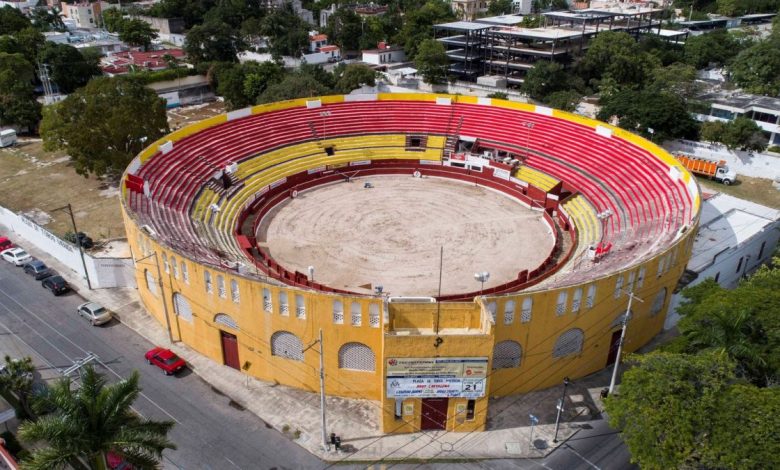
296 413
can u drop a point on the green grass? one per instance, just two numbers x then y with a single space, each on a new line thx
758 190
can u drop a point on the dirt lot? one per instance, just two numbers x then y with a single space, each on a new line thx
758 190
391 234
178 117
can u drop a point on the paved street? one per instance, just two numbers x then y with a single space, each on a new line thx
211 431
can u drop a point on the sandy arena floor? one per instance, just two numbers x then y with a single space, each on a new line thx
391 234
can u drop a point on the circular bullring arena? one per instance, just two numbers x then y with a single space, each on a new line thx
366 217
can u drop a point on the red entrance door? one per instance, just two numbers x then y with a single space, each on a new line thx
230 350
613 348
434 413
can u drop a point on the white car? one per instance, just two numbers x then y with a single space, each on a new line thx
94 313
17 256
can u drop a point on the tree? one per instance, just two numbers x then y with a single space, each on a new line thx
640 111
418 25
712 131
213 42
105 124
617 56
12 20
295 85
566 100
45 20
91 421
113 19
137 33
666 406
499 7
258 77
287 33
544 78
17 379
431 62
676 79
716 48
354 76
17 101
743 133
68 67
30 41
757 69
345 28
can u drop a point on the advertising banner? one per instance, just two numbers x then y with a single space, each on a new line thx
453 377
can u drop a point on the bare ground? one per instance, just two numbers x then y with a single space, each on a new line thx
391 235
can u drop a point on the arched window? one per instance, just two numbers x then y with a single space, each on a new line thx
630 284
619 286
338 312
175 267
221 286
507 354
184 273
207 281
509 312
300 307
373 316
618 321
492 308
640 280
560 305
227 320
235 294
658 302
287 345
357 356
576 300
166 266
150 283
570 342
182 307
268 304
590 301
525 314
356 314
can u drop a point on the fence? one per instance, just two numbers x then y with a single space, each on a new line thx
103 272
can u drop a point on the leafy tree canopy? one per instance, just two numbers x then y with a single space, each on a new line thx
685 411
640 111
18 380
45 20
294 85
17 102
418 25
12 20
499 7
617 56
137 33
431 61
287 33
192 11
718 47
345 28
213 42
92 420
757 69
566 100
353 76
69 69
546 77
103 125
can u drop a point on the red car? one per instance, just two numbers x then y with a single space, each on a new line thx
5 244
166 360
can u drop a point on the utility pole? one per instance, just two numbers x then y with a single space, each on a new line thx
69 209
631 297
162 292
325 445
560 408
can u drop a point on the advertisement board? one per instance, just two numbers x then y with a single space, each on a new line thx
444 377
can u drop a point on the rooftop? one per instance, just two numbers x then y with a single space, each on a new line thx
741 100
727 222
507 20
463 26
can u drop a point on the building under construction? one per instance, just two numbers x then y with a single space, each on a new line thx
500 47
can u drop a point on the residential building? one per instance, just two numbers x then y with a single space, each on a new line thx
384 54
85 14
469 9
317 40
735 237
128 61
185 91
320 51
22 5
728 105
363 10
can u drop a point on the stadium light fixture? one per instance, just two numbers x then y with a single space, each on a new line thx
482 278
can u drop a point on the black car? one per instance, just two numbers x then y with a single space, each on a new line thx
83 239
37 269
56 284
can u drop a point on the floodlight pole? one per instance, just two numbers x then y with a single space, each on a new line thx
69 210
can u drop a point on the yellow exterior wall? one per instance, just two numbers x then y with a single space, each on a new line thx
466 327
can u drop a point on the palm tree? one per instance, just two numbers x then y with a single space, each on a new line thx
17 379
89 422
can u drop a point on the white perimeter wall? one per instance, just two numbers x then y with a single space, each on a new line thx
103 272
759 165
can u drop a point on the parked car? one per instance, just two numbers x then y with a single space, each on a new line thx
5 244
56 284
37 269
94 312
115 462
83 238
17 256
166 360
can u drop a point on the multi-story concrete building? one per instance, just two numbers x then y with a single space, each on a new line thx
728 105
85 14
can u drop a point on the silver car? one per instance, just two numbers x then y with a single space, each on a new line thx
94 313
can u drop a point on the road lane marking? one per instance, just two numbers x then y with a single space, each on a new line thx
567 446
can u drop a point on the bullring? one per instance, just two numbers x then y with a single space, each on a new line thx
621 215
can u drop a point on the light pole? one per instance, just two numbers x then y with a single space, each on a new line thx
482 278
626 317
529 126
69 210
162 292
325 445
603 216
534 422
560 408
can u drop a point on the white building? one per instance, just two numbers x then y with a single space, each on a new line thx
384 54
763 110
735 237
22 5
85 14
